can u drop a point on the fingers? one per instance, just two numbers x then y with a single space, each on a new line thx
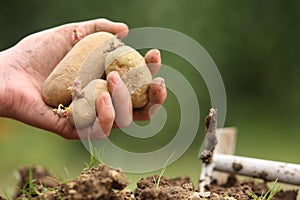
114 107
106 115
81 29
153 60
157 95
157 91
100 129
121 99
119 109
97 25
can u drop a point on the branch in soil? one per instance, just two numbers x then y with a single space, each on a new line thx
210 140
206 156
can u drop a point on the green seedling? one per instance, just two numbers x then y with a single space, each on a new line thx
31 190
61 179
268 195
7 196
67 172
163 169
94 154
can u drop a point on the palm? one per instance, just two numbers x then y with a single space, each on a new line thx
42 53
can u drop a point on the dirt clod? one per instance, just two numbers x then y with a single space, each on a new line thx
242 190
100 182
167 189
36 176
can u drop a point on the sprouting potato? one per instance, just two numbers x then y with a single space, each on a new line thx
133 71
84 62
82 111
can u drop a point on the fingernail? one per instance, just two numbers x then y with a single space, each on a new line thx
155 55
159 81
114 77
156 51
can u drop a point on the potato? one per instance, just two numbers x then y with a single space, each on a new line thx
84 62
83 67
133 71
82 111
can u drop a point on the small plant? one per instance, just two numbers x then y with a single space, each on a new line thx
7 196
268 195
29 189
94 154
163 170
67 172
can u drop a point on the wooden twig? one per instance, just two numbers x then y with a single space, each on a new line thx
210 142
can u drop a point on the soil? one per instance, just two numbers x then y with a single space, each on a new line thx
103 182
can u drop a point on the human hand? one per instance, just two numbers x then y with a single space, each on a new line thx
25 67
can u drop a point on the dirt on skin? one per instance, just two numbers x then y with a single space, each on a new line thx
103 182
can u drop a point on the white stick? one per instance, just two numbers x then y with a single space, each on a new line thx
226 145
206 154
205 176
265 169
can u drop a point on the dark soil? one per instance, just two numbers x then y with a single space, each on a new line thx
103 182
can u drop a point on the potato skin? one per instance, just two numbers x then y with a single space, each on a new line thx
83 109
133 71
84 62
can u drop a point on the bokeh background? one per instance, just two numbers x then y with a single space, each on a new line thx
255 45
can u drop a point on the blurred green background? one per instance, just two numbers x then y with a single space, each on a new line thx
255 45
